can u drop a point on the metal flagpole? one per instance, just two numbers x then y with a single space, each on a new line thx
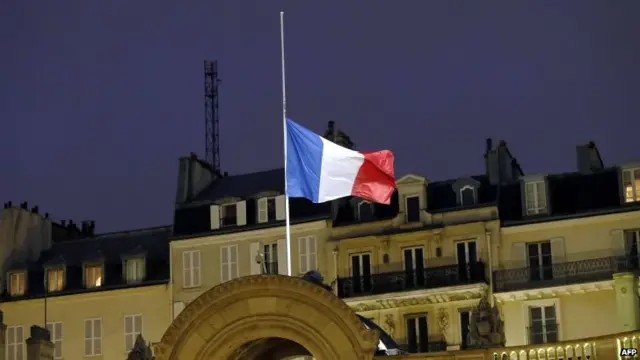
284 129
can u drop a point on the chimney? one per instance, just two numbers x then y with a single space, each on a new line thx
87 227
9 204
489 146
34 209
63 223
588 158
92 228
24 205
46 215
193 176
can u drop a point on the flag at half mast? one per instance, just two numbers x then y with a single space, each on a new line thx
320 170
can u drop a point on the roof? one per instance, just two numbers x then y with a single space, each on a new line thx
243 186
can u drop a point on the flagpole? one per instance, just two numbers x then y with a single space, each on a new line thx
284 129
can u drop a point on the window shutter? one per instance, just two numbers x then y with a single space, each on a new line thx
262 210
186 269
282 257
518 256
557 257
312 253
241 213
254 251
280 208
196 268
177 308
233 262
224 264
617 242
214 214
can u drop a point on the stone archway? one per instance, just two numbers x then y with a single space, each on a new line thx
254 310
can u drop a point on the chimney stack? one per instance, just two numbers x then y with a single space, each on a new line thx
63 223
588 158
489 146
24 205
34 209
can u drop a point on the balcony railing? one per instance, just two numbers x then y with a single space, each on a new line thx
406 280
431 346
565 273
543 334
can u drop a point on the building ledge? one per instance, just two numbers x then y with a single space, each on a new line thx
551 292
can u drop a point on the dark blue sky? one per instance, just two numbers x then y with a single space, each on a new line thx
98 99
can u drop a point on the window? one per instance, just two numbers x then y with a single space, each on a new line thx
55 279
134 270
228 215
417 333
266 209
632 248
271 258
412 204
15 343
361 273
631 184
535 197
132 328
540 265
413 259
191 268
55 329
543 324
465 320
467 195
93 337
228 262
93 276
365 211
16 283
307 251
467 256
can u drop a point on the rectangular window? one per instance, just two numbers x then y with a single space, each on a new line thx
266 209
271 258
132 328
308 257
15 343
55 329
55 279
540 261
228 262
413 259
191 268
361 273
467 256
228 215
535 197
417 333
134 270
631 184
632 248
93 337
412 204
93 276
543 324
465 320
16 283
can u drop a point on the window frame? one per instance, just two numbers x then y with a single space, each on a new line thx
228 249
535 208
416 316
56 269
307 255
51 327
139 277
370 205
16 344
527 305
10 276
134 333
85 272
264 202
635 187
93 338
270 266
406 207
473 192
191 270
222 214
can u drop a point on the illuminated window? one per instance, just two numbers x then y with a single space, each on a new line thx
16 283
535 197
631 184
93 276
55 279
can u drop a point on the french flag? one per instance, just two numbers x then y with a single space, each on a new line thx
320 170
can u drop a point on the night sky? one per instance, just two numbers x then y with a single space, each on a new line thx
98 99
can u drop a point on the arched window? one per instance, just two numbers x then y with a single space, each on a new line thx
467 195
365 211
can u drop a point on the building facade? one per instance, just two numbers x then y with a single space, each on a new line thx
556 255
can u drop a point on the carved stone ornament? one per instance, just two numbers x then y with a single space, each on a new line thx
140 351
486 329
389 324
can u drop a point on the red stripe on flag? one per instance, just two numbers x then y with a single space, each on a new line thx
376 179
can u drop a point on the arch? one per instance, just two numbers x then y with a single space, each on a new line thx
253 308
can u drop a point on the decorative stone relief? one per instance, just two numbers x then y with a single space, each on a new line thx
443 322
140 351
486 328
389 324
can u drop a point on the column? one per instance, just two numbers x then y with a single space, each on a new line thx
336 270
39 345
627 304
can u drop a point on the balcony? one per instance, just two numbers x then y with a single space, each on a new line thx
543 334
414 279
431 346
565 273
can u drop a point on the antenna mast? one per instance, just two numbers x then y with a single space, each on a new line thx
212 139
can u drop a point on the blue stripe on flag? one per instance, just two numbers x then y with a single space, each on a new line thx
304 161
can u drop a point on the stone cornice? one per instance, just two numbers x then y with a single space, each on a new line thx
552 292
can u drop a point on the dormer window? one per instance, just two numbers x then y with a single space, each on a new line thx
228 215
631 184
365 211
55 279
535 196
134 270
93 276
266 209
17 283
467 195
412 208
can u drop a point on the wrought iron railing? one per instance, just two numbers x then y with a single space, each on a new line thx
431 346
395 281
565 273
543 334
